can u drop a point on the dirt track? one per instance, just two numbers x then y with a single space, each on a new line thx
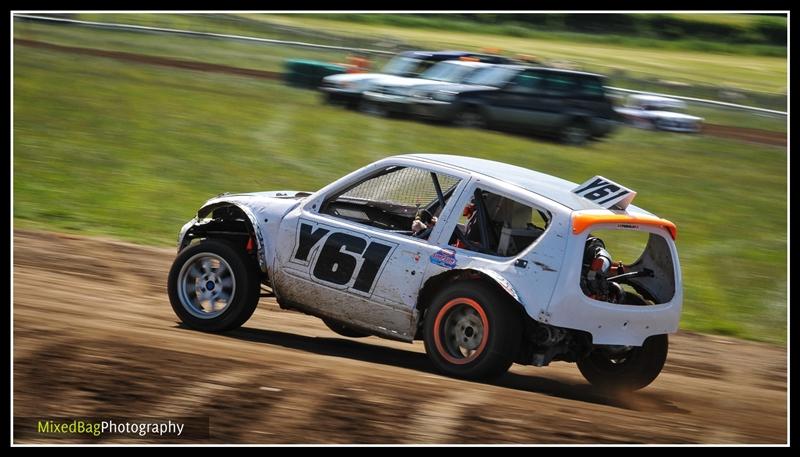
94 335
746 134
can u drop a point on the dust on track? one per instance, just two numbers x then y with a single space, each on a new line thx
94 335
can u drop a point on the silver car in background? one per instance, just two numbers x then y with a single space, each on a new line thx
393 95
660 113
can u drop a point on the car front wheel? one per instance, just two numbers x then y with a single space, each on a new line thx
213 286
472 331
470 118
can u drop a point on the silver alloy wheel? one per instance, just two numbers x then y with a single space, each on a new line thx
206 285
463 331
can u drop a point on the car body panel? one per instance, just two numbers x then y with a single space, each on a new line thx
265 210
394 93
613 324
514 106
375 283
351 86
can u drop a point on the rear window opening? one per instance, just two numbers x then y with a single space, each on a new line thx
497 225
627 267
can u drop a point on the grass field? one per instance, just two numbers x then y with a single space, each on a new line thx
254 56
751 72
234 53
494 25
721 33
130 151
731 19
766 74
740 118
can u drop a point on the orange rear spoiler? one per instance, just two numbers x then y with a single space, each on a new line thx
582 220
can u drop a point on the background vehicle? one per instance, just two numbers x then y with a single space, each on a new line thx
391 94
348 88
508 272
662 113
572 106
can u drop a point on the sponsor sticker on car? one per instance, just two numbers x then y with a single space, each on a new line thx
444 258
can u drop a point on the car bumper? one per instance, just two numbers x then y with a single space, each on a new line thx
433 109
613 323
336 93
394 103
601 127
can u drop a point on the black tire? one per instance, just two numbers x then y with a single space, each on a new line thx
470 118
352 103
659 125
639 367
329 99
481 307
244 294
576 133
344 330
371 108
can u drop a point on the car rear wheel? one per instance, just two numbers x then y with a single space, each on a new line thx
575 133
214 286
472 331
625 368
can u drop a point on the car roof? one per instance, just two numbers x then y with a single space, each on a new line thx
444 55
550 69
466 63
556 189
656 99
450 55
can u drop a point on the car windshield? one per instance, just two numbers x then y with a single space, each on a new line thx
490 76
450 72
401 65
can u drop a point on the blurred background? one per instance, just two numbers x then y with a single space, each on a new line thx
122 132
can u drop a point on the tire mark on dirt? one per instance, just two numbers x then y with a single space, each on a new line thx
151 60
438 420
88 347
767 137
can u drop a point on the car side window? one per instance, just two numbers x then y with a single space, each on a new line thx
422 66
592 87
497 225
560 83
403 200
527 82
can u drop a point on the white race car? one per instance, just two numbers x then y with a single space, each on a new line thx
488 263
660 113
